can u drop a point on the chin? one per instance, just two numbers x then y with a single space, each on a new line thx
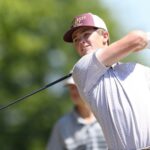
90 51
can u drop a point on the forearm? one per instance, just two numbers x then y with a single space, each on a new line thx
132 42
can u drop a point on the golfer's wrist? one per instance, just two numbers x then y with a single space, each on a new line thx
148 40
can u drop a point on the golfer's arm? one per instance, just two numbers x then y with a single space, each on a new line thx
134 41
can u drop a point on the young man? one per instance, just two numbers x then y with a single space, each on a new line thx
78 129
118 93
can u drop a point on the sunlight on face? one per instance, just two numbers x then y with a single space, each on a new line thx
87 40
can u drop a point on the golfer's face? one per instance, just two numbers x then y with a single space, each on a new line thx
86 40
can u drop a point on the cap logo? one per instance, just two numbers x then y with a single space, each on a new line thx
78 21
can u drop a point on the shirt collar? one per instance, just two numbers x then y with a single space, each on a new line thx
81 120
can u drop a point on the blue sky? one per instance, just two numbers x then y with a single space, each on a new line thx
131 14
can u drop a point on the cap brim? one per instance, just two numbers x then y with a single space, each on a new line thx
68 35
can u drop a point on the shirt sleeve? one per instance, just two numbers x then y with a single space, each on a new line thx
147 74
87 71
55 141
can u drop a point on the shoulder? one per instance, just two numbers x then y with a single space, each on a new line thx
65 120
84 62
86 70
81 68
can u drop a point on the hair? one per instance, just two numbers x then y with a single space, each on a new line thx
100 31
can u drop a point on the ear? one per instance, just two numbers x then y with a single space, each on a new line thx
105 37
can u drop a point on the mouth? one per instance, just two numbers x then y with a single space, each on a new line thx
85 50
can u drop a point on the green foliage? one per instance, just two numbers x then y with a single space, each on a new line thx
33 53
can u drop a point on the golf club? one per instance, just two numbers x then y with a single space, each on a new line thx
36 91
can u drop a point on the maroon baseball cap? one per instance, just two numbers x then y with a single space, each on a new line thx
84 20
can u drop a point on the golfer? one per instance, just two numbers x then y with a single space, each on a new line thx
118 93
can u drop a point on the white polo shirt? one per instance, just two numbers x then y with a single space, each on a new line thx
119 96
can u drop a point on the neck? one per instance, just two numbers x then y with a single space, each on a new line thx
85 113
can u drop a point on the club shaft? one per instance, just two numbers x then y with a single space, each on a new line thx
36 91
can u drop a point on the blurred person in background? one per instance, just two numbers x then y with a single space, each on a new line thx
78 129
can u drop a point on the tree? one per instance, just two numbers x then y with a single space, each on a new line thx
32 53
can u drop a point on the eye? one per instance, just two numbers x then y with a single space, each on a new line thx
75 40
86 35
